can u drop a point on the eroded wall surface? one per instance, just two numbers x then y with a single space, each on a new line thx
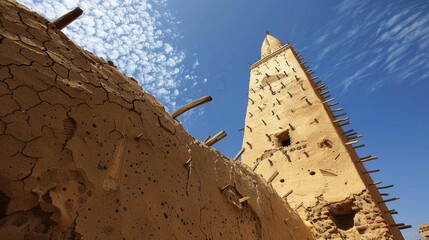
292 139
85 153
424 231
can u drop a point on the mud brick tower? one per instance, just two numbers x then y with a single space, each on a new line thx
295 138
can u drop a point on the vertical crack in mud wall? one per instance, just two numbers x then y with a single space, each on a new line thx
86 153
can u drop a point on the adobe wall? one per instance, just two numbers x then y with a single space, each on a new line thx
85 153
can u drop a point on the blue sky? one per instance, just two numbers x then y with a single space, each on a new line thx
373 55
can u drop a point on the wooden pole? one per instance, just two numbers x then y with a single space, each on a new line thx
216 138
288 193
67 18
239 154
190 105
274 175
389 200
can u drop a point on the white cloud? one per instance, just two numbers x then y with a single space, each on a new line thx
136 35
196 64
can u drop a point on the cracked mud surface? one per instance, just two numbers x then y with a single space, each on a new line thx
85 153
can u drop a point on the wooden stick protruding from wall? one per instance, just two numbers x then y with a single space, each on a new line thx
216 138
190 105
67 18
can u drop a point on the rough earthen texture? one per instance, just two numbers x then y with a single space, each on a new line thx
424 231
85 153
293 139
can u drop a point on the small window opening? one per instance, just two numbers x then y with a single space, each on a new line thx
283 139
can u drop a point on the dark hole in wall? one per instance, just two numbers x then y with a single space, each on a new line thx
286 143
344 222
283 139
4 203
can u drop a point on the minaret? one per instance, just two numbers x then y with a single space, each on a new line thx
294 138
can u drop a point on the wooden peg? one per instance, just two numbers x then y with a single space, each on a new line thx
354 137
278 101
339 115
288 193
285 73
216 138
385 187
266 74
139 136
252 101
277 69
371 171
320 86
224 187
329 100
293 69
367 158
264 122
389 200
300 205
239 154
283 86
250 129
340 120
337 110
255 166
250 145
392 211
349 131
384 194
260 108
291 127
325 92
190 105
351 134
67 18
188 163
375 183
359 146
352 142
404 227
207 138
296 77
344 124
333 104
273 176
244 199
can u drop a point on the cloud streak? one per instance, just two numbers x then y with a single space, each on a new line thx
136 35
376 39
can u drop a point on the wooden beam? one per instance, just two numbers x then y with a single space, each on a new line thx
239 154
216 138
67 18
404 227
274 175
190 105
288 193
389 200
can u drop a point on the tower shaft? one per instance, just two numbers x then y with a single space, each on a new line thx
293 140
